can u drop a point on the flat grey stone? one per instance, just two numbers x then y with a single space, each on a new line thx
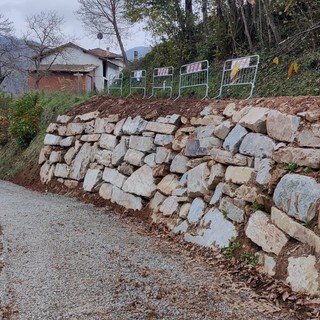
234 139
196 211
257 145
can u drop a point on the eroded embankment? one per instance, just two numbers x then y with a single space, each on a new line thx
237 176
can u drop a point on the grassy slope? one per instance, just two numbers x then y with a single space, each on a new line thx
12 158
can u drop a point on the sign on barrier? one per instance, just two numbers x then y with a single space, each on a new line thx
240 72
115 82
195 74
162 80
138 81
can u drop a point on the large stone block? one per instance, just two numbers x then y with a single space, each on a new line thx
238 115
204 131
172 119
90 137
197 183
159 127
210 119
141 182
88 116
230 110
217 194
44 154
52 140
69 156
114 177
217 172
46 172
118 127
303 274
118 153
108 141
103 157
105 191
249 194
164 155
55 156
300 156
298 196
196 210
126 168
218 233
194 149
163 139
257 145
134 157
264 171
266 235
222 130
226 157
255 119
74 129
282 127
169 206
150 160
234 139
179 164
233 212
180 141
168 184
93 176
156 201
144 144
63 119
239 175
134 126
81 162
67 142
307 138
295 229
125 199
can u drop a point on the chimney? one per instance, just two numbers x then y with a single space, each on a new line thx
135 55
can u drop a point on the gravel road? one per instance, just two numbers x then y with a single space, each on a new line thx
67 260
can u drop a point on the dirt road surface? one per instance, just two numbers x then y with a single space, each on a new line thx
63 259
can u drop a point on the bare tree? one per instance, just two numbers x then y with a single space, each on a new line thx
7 56
105 16
44 34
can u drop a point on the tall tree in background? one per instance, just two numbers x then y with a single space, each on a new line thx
105 16
44 33
168 19
7 56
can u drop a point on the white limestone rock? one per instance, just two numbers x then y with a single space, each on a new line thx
163 139
169 206
226 157
92 177
74 129
255 119
257 145
298 196
303 275
197 183
105 191
196 210
88 116
179 164
63 119
164 155
52 140
233 212
81 162
159 127
168 184
239 175
108 141
222 130
282 127
118 153
144 144
134 157
46 172
141 182
266 235
114 177
217 194
150 160
134 126
67 142
234 139
55 156
103 157
125 199
219 232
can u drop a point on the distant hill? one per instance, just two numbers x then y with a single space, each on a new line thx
142 51
16 82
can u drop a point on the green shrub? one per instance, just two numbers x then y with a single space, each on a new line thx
24 117
229 251
249 258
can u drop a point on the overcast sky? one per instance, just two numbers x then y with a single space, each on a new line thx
17 10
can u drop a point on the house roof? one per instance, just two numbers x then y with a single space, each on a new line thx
85 68
104 54
97 52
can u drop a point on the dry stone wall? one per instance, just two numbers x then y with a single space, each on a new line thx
249 172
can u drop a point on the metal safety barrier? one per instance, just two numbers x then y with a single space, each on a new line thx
115 82
195 74
162 80
138 81
239 72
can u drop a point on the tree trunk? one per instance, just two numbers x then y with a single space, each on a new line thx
205 17
246 29
271 22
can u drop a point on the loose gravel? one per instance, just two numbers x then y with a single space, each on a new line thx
67 260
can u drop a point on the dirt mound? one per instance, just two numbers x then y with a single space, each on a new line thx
152 109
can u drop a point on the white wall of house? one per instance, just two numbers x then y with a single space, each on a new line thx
72 55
